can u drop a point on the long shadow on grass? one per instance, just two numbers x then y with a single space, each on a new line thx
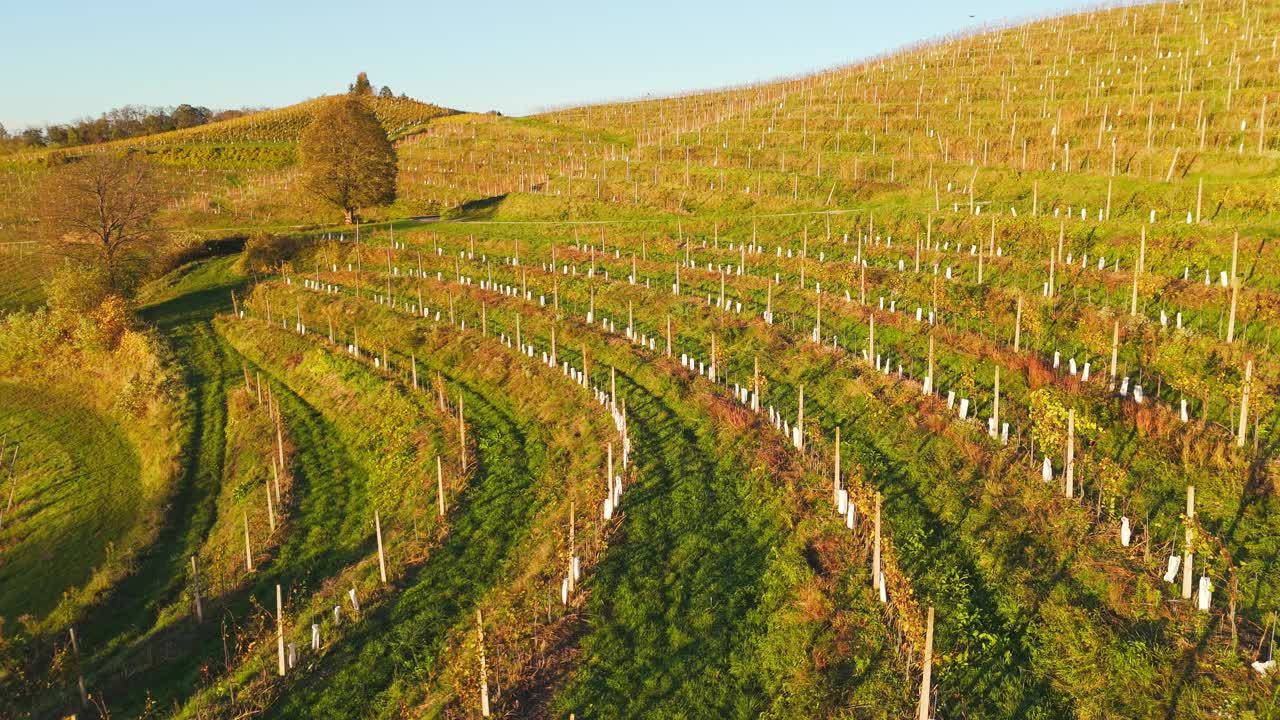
134 604
400 642
325 532
994 680
83 477
674 592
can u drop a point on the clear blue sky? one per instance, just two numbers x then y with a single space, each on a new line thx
517 57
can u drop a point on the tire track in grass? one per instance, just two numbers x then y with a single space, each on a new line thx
675 593
548 490
395 646
184 320
325 531
682 609
323 535
711 653
672 612
327 525
327 528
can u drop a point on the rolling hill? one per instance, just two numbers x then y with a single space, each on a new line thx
941 384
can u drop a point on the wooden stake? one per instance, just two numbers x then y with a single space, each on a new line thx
755 386
875 550
871 338
1137 270
440 484
280 443
462 433
1115 351
75 648
382 561
929 381
1017 328
271 512
280 629
195 590
484 670
1235 289
248 550
1071 453
712 369
1244 404
835 478
800 423
995 405
1187 555
926 679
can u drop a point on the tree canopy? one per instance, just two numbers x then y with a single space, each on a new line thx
347 158
120 123
101 209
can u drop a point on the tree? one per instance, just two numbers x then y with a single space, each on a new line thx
185 116
4 134
386 92
347 158
361 86
33 137
101 210
57 134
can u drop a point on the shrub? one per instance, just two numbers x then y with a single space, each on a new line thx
265 251
77 290
111 319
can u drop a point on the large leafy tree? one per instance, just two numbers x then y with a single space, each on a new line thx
185 116
347 158
101 209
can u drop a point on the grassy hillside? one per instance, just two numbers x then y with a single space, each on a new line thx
233 173
66 456
907 369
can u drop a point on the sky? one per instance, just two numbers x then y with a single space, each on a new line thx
514 57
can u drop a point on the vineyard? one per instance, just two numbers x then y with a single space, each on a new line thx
940 385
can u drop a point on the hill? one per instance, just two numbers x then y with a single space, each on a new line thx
941 384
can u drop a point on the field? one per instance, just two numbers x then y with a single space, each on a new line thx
939 383
78 475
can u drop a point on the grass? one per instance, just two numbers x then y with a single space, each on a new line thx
727 588
682 584
394 642
77 496
133 605
673 577
23 270
983 625
395 648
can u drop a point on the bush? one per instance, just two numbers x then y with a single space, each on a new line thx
265 251
111 319
76 290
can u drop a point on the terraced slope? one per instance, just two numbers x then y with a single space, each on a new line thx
902 373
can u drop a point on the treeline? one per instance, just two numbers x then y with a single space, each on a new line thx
118 124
